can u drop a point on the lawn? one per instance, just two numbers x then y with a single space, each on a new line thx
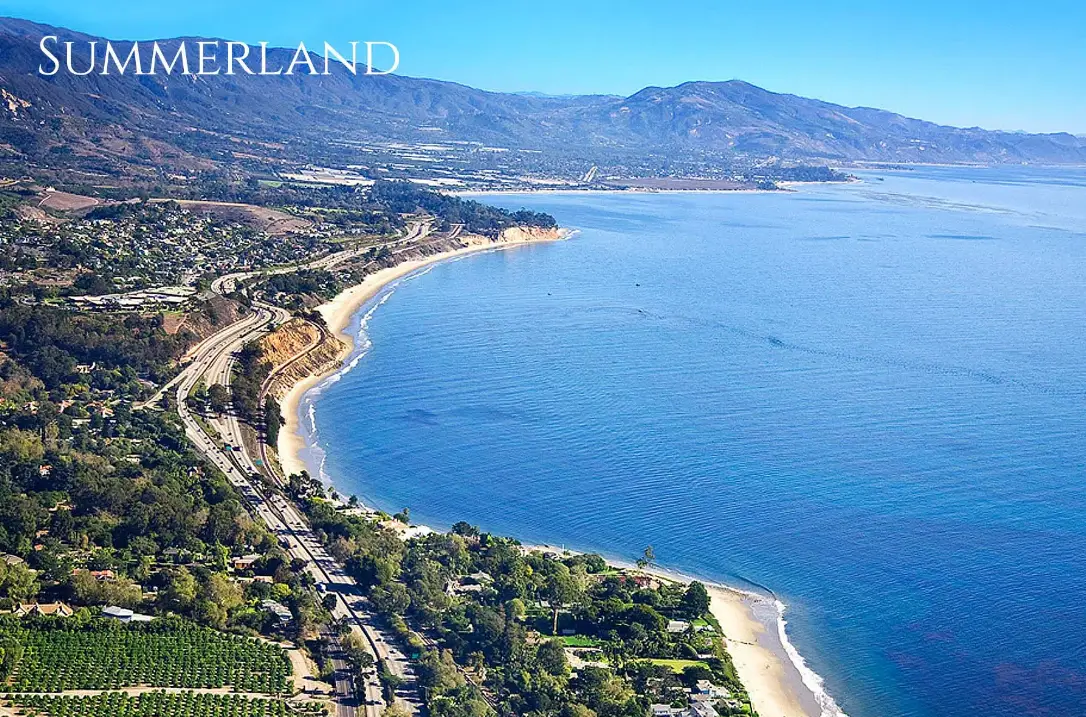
678 666
579 641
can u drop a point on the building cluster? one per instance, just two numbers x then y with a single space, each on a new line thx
702 699
161 297
141 247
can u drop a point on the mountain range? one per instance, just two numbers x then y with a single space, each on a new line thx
184 123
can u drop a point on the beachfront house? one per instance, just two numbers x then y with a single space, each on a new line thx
677 626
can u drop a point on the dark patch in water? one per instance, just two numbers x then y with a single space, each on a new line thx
963 237
489 414
419 415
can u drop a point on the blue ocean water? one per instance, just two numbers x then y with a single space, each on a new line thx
870 398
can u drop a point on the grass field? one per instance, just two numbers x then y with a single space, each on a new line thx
579 641
678 666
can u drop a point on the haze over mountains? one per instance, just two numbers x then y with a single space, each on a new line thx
190 123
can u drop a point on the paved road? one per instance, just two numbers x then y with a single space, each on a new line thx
211 361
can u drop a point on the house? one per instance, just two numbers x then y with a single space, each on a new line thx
676 626
124 614
267 579
454 588
102 576
57 609
642 581
659 710
245 562
10 559
282 612
701 708
707 688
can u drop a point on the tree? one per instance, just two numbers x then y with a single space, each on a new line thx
561 589
354 645
575 710
272 421
180 592
391 599
552 658
11 652
18 582
224 592
217 398
648 557
695 601
515 609
210 613
439 672
595 563
692 674
465 529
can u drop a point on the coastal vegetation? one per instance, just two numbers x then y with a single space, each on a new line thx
505 629
406 198
495 629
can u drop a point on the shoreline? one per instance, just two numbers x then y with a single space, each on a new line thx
771 669
776 676
341 310
637 190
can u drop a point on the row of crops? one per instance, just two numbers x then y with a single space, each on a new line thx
153 704
63 654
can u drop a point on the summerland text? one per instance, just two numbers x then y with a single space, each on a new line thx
209 57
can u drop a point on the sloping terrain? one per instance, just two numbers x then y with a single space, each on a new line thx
148 125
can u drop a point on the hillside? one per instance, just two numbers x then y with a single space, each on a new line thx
152 126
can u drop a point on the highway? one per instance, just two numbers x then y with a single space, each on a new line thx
212 361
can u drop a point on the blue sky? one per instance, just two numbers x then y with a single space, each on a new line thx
997 64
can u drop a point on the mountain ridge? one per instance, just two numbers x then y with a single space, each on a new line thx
191 123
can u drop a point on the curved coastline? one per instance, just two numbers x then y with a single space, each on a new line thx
774 672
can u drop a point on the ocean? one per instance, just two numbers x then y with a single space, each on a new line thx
869 398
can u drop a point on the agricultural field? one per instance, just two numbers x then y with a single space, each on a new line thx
62 654
152 704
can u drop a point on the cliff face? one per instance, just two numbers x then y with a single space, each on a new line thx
288 341
513 235
522 235
299 349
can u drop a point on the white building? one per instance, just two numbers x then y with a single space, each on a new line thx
124 614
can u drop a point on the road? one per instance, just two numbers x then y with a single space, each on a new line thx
211 361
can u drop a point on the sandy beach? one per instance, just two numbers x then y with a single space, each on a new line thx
777 687
339 311
750 622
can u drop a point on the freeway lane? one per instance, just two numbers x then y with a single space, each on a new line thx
281 519
212 361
